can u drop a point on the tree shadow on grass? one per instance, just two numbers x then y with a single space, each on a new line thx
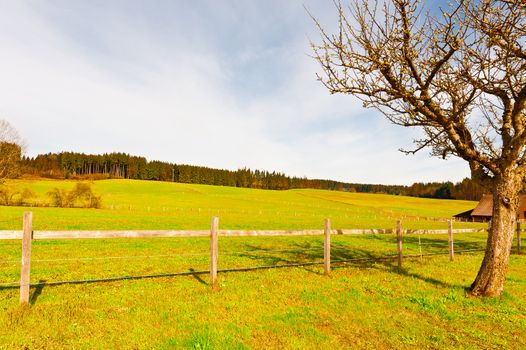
311 254
305 255
285 257
44 283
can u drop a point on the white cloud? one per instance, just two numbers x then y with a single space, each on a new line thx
122 86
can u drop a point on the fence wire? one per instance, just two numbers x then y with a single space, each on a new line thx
293 250
414 246
9 284
10 262
234 269
123 257
11 219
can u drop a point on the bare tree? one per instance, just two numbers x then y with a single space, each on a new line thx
459 76
11 147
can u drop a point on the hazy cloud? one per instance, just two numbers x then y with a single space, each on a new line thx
224 84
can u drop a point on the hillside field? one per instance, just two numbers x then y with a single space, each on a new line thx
134 204
366 302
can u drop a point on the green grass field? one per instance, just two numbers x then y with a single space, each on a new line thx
131 204
366 302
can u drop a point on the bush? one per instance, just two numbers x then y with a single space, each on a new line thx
60 198
79 197
7 195
25 197
11 196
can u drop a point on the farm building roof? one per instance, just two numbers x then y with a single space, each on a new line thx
465 214
485 207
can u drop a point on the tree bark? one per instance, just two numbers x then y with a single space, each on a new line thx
492 273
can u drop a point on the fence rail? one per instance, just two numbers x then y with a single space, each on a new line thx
27 235
100 234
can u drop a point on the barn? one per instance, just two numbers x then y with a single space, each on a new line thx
483 211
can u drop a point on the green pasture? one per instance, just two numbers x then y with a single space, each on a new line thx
366 302
129 204
89 293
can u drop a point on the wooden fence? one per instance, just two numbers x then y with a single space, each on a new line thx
27 235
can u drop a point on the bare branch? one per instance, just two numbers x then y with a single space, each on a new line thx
437 73
11 147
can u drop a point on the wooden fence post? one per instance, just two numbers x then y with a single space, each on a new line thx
518 237
450 240
213 251
399 242
327 247
26 258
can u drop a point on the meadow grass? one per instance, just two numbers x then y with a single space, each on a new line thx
129 204
366 302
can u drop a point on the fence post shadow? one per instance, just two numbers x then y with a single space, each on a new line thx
37 291
195 275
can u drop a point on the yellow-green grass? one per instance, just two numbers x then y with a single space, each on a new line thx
129 204
362 304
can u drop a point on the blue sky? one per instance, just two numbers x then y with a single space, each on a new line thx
225 84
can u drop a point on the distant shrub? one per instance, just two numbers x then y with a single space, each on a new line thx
7 195
81 196
59 198
26 197
13 196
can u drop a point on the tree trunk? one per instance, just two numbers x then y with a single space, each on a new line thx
492 273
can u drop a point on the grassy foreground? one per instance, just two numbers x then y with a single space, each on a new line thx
365 303
369 306
129 204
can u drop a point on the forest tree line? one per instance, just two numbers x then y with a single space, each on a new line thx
70 165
